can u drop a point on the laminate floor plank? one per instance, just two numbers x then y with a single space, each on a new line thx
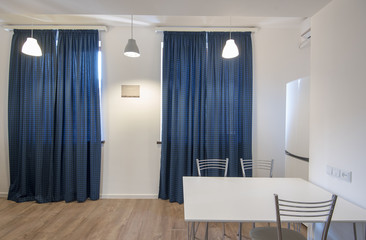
105 219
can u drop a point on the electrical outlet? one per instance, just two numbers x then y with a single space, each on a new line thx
338 173
329 170
346 176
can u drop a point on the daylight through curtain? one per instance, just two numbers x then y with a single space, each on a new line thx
207 106
54 127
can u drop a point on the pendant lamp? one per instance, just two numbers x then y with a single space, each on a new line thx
131 49
31 47
230 49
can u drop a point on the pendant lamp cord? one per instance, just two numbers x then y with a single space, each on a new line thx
230 27
131 26
32 31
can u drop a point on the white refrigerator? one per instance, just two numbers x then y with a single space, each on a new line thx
297 128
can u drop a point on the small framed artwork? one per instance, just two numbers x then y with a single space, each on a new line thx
130 91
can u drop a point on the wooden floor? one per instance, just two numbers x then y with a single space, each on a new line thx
106 219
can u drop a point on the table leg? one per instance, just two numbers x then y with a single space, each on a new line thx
239 237
206 233
191 231
354 231
310 232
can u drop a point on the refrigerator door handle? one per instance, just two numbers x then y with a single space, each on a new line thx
298 157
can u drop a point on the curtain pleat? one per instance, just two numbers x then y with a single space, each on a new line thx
184 73
229 100
54 127
207 106
78 115
32 98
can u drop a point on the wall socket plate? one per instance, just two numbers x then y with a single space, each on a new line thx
344 175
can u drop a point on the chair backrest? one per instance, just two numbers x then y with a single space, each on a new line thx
294 209
262 166
206 164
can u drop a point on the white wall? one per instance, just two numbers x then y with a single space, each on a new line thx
5 39
277 60
338 98
131 157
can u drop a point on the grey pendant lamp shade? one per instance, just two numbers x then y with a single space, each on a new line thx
131 49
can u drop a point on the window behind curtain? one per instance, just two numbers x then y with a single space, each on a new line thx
207 105
54 124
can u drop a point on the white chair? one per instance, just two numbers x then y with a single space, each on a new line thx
206 167
296 210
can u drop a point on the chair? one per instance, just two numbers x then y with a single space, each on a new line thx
207 164
204 166
293 210
261 168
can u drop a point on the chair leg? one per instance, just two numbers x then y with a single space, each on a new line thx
191 231
195 230
254 225
223 236
239 231
206 233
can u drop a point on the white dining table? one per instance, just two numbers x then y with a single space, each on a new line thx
237 199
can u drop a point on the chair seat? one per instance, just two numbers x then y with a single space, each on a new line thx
270 233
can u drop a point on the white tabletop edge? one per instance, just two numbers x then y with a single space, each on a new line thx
212 199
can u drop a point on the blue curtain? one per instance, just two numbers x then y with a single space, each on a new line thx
207 106
184 76
229 100
54 127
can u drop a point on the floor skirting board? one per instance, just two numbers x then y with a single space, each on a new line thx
3 194
111 196
129 196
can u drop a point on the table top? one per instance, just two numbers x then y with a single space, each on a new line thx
234 199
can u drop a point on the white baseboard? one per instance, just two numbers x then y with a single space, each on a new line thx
129 196
111 196
3 195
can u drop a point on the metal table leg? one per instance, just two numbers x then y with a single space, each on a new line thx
354 231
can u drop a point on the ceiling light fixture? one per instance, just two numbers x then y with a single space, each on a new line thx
31 47
131 49
230 49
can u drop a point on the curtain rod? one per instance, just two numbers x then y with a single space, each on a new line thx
206 29
55 27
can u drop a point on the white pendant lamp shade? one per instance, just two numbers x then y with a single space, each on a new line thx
230 49
31 47
131 49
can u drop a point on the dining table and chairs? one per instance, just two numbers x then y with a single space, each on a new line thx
249 199
323 210
209 167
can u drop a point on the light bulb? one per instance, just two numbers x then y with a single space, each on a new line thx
230 50
31 47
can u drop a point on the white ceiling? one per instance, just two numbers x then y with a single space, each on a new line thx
258 13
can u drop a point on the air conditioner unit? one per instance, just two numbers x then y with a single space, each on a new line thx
305 34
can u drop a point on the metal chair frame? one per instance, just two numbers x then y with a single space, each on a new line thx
249 164
206 164
295 209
